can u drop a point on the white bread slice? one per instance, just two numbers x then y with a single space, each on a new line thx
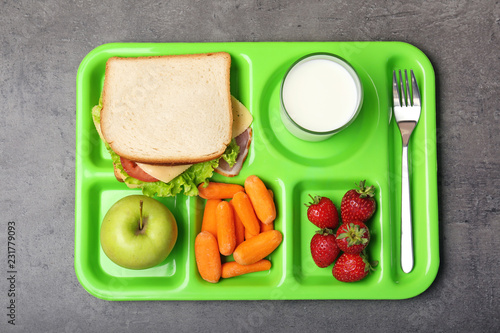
242 119
168 109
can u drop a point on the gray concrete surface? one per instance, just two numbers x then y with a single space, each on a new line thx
41 46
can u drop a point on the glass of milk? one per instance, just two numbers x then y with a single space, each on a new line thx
321 94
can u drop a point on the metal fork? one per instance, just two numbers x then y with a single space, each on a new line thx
407 112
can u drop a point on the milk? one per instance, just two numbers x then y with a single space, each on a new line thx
321 94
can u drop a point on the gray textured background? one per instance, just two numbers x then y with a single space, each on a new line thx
41 46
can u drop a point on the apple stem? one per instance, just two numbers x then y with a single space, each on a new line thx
140 218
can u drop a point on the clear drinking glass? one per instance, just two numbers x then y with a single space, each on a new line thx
321 94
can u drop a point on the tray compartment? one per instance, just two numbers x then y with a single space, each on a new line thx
338 148
305 270
113 279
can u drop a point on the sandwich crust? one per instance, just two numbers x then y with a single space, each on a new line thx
168 110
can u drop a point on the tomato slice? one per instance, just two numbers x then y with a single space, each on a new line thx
133 170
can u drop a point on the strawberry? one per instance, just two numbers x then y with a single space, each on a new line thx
351 267
359 204
324 249
353 237
322 212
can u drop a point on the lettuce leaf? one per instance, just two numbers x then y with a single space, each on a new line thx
96 111
186 183
231 153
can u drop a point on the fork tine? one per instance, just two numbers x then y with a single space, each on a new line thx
395 90
408 96
402 90
415 90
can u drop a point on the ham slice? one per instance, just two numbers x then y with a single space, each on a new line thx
243 140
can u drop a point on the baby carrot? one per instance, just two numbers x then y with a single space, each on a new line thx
239 228
226 236
248 234
218 190
209 222
266 227
257 247
232 268
207 256
261 199
246 213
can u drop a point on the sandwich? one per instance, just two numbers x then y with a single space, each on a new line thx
169 122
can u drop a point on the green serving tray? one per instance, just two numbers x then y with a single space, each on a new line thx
370 148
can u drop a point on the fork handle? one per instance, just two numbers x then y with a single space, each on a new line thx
406 222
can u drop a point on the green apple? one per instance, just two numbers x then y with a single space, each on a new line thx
138 232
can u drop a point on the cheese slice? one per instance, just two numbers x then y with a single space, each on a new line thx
165 173
242 119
